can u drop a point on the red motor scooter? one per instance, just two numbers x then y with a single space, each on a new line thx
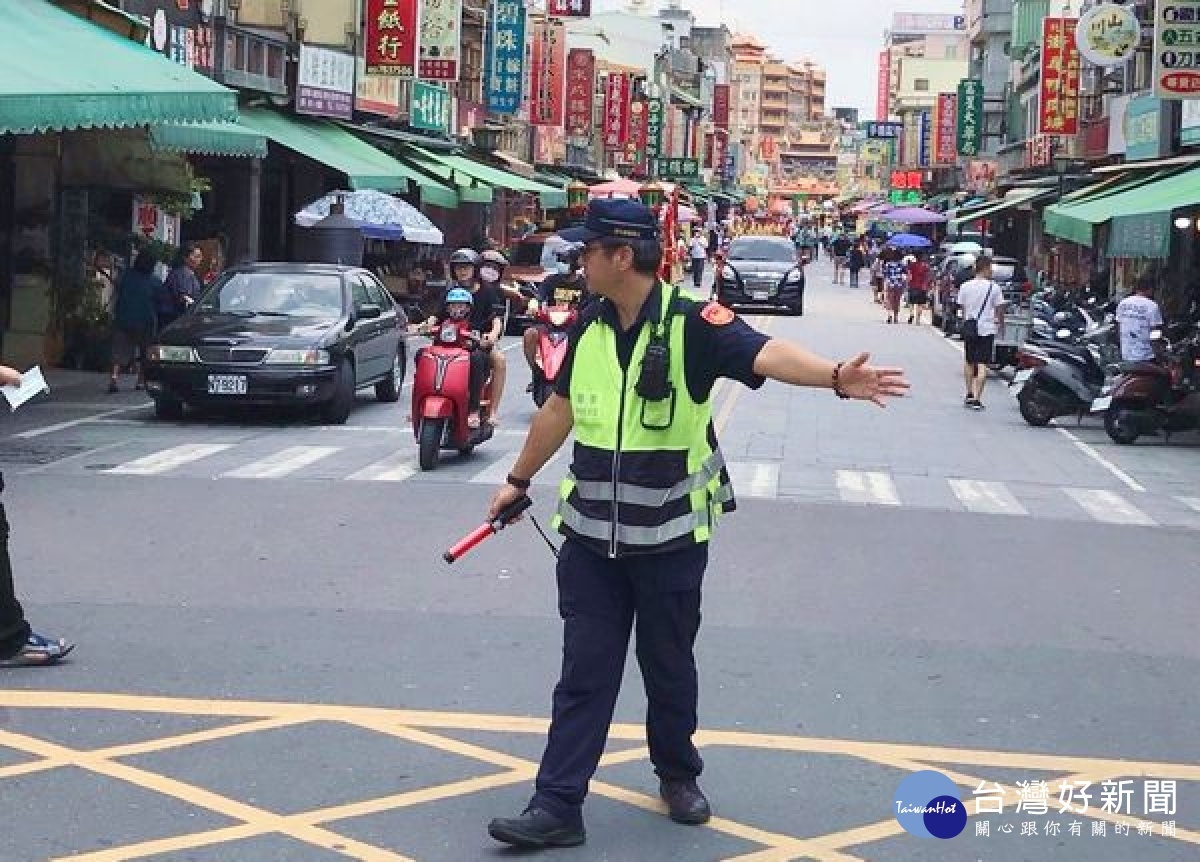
441 396
551 348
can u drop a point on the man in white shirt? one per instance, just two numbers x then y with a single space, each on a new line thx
698 249
981 300
1138 315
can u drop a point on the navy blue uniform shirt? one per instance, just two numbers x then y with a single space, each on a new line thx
714 350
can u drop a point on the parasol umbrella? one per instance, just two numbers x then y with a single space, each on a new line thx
908 240
913 215
379 215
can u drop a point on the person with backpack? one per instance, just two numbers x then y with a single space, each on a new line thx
982 303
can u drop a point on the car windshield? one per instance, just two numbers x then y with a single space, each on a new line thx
1003 271
774 251
290 294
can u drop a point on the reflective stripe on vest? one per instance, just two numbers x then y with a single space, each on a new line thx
676 528
638 495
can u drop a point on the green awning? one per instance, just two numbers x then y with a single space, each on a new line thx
550 197
331 145
468 189
1076 220
210 139
58 71
1010 201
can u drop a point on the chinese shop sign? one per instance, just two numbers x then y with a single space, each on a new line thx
635 147
616 111
441 35
721 106
549 61
1058 106
1177 49
581 85
505 57
325 83
970 116
683 169
430 107
947 119
390 37
569 8
654 128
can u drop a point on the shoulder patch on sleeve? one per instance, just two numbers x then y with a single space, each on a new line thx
717 314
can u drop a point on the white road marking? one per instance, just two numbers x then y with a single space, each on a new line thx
1109 507
1129 482
282 463
1192 503
62 426
754 479
394 468
169 459
876 488
991 498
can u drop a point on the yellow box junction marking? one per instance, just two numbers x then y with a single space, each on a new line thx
421 728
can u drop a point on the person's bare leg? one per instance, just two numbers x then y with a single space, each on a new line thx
529 345
499 373
969 379
980 381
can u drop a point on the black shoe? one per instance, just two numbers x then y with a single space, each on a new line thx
685 800
536 828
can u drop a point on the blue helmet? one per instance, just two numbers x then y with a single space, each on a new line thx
460 294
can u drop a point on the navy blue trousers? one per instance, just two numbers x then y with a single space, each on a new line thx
601 600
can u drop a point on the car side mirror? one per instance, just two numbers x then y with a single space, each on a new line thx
368 311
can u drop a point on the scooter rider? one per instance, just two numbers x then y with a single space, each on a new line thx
465 266
566 287
459 303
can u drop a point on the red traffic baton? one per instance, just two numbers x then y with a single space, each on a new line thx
506 516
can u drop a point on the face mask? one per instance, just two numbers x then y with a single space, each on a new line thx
489 273
563 268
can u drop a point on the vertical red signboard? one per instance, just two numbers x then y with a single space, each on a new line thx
1058 105
549 70
883 86
581 85
616 111
390 37
721 106
947 128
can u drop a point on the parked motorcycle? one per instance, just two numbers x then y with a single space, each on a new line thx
1050 385
441 396
1153 397
556 321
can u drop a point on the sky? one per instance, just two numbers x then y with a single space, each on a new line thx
844 36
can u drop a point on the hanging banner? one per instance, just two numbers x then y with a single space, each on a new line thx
720 149
430 108
969 132
504 69
635 147
654 126
441 36
1176 60
924 149
947 122
1058 103
569 8
616 111
391 32
581 85
721 106
548 61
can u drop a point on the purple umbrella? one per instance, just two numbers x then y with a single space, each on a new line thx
914 215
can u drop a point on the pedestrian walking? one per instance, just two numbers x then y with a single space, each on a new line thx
133 318
839 248
982 304
182 286
698 249
920 277
895 280
646 485
856 261
20 646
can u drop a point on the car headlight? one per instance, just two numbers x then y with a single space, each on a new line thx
171 353
794 276
297 357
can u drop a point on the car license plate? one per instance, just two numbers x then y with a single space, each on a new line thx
1101 404
759 295
226 384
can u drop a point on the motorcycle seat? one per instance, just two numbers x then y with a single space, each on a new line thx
1144 368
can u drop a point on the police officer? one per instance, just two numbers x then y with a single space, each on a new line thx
646 485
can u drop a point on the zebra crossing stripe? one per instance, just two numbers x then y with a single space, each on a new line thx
394 468
1109 507
1192 503
991 498
169 459
282 463
875 488
750 479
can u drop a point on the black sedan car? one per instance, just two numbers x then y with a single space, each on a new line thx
762 271
281 333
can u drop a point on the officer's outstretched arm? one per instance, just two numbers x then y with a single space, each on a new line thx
789 363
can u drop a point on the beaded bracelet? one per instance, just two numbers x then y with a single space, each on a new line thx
837 382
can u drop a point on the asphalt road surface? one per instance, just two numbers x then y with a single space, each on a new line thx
275 664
